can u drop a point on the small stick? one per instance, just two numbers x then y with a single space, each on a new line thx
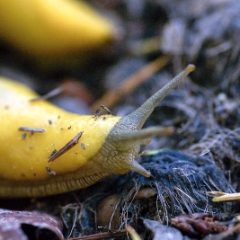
225 197
55 154
106 109
32 130
50 94
116 94
112 234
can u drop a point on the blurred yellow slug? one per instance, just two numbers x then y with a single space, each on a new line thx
43 28
33 131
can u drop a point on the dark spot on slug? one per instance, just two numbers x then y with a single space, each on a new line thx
32 130
69 127
23 175
50 171
62 128
6 107
58 116
50 122
83 146
97 113
24 135
54 151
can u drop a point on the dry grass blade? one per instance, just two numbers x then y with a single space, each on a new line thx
225 197
133 233
115 95
55 154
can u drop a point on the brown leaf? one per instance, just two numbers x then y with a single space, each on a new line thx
198 224
21 225
11 231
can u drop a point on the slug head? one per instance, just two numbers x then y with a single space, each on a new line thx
122 145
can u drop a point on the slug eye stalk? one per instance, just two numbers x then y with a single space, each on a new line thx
140 115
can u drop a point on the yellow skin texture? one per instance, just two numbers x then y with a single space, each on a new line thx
26 159
52 27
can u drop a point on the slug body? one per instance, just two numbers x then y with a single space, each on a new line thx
43 28
108 144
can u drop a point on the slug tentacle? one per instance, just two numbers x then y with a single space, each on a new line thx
140 115
133 136
135 166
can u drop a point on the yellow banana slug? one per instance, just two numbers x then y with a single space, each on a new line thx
94 147
57 27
